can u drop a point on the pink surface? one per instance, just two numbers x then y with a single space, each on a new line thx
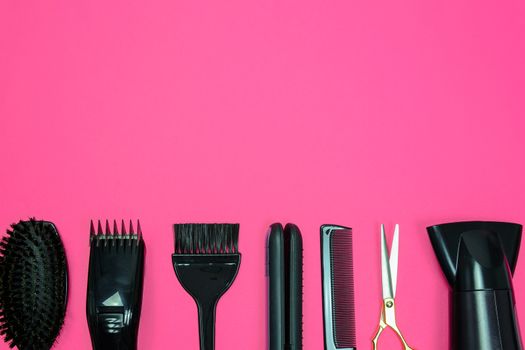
349 112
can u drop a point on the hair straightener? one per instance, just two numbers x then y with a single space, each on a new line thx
285 287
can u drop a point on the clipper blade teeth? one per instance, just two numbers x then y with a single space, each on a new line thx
139 230
113 236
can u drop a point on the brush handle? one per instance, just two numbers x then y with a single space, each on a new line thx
206 277
207 323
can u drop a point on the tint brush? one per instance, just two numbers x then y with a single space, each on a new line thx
206 262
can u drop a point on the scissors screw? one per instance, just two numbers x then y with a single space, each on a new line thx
389 304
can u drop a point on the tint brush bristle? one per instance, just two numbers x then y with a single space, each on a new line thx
206 238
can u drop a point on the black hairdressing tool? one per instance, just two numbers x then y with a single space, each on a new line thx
338 288
33 285
206 261
285 287
478 259
114 295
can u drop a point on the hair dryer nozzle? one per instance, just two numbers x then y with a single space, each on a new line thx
478 259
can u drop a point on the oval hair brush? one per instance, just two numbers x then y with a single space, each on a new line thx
33 285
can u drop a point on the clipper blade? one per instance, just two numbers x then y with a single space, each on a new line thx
108 236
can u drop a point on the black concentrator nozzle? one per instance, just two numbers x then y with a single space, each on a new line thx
478 259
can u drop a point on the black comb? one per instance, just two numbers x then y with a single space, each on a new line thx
206 262
338 287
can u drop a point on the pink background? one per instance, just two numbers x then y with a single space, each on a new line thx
349 112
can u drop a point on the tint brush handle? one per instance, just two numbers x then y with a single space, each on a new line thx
207 323
206 277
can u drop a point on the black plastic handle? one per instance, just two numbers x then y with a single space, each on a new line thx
485 320
207 323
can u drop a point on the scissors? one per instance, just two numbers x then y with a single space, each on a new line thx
389 281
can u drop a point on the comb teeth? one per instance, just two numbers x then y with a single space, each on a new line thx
342 279
113 237
206 238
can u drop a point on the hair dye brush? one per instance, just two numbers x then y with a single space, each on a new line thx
33 285
206 262
478 259
114 294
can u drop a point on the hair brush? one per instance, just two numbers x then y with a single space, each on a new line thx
33 285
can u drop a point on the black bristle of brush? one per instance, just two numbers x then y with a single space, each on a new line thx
338 287
33 285
206 262
206 238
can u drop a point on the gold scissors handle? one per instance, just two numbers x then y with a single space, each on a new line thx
388 319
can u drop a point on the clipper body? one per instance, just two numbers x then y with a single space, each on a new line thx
114 296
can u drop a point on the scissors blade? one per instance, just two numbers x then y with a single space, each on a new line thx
394 256
386 278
